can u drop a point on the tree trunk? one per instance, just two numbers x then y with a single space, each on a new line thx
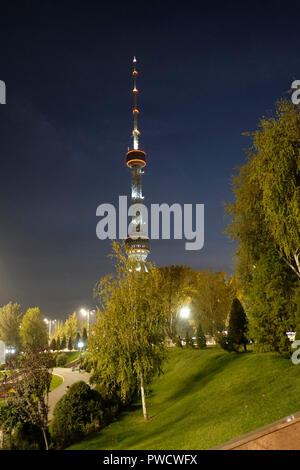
45 439
143 396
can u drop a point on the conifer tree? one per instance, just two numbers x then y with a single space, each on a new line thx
237 325
63 343
200 337
53 344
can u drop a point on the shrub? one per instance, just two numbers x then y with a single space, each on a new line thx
200 338
61 360
224 341
76 414
27 436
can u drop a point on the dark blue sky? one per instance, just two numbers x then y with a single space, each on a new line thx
207 73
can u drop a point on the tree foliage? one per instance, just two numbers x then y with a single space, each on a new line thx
30 398
237 325
200 337
33 330
177 286
266 211
10 320
127 343
77 413
212 300
271 304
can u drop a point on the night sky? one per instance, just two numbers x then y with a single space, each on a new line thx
208 72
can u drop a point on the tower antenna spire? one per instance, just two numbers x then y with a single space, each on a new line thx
135 132
137 242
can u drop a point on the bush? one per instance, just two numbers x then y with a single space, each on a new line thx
61 360
78 413
224 341
26 436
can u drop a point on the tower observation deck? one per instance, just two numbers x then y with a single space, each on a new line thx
137 242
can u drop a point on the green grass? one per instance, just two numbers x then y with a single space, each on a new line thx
55 382
72 356
205 398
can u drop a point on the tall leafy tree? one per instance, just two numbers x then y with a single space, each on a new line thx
71 327
178 285
84 337
272 307
266 211
77 339
127 342
33 330
10 320
212 300
31 394
70 344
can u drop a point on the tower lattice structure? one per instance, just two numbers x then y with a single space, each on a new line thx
137 242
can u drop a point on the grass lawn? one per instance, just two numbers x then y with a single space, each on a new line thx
205 398
55 382
72 356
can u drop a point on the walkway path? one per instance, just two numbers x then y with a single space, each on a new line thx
69 377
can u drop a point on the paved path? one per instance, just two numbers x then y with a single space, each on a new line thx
69 377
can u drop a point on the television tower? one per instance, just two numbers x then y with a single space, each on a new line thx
137 242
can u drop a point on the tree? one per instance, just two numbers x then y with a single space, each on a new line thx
58 330
266 211
237 325
33 330
272 306
84 338
58 346
178 285
53 346
200 337
31 393
78 412
127 342
77 340
212 300
188 340
71 327
10 320
70 344
63 343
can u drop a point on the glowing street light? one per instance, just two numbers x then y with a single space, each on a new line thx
87 313
49 322
185 312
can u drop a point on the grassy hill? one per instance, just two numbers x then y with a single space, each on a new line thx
205 398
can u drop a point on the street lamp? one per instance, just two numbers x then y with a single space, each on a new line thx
185 312
49 322
87 313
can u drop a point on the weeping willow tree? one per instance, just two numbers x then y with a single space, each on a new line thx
127 343
266 211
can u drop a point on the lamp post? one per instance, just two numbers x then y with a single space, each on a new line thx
80 345
49 323
87 313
